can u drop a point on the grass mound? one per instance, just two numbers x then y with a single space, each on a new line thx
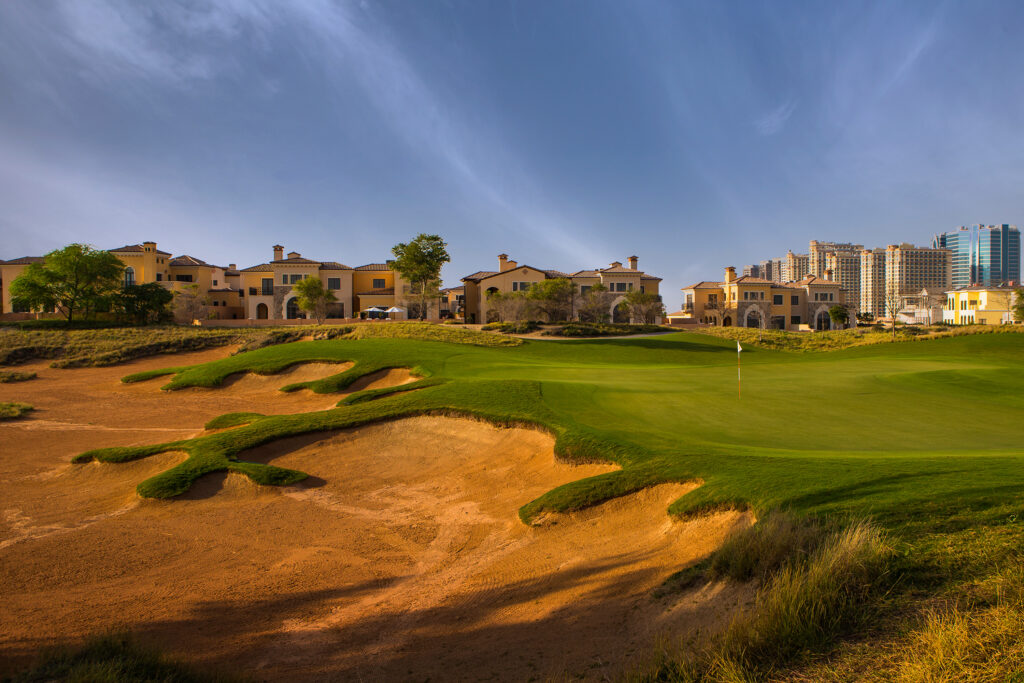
520 327
451 334
834 340
805 604
602 330
113 658
13 410
13 376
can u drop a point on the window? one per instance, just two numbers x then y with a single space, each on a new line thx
241 293
521 286
794 300
777 299
794 320
618 287
641 289
379 283
129 276
284 279
159 277
183 278
267 286
214 283
334 283
252 290
292 279
584 289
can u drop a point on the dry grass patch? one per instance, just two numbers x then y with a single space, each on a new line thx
12 410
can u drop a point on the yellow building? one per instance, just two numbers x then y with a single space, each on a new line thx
512 277
979 305
8 271
754 302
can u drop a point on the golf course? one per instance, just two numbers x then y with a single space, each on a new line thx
917 446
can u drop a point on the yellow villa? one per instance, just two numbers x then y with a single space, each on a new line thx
512 277
754 302
979 305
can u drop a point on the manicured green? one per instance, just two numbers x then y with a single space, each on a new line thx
887 430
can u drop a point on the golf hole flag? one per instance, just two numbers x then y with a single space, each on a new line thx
739 382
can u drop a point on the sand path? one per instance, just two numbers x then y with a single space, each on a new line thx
402 557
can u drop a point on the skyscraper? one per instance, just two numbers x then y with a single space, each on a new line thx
961 246
872 282
997 257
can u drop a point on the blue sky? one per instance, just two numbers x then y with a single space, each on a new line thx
567 134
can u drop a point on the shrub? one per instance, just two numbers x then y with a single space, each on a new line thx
432 332
12 410
11 376
577 329
520 327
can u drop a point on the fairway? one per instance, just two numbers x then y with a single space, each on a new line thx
880 430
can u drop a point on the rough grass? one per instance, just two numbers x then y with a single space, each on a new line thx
805 604
842 339
603 330
430 332
113 658
10 410
13 376
520 327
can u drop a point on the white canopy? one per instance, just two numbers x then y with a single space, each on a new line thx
395 309
375 308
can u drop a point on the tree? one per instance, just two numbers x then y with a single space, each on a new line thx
74 279
313 298
1018 305
143 304
596 304
865 318
645 307
190 303
507 306
552 298
839 315
893 304
419 262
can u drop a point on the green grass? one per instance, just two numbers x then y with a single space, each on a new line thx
10 410
12 376
113 658
602 330
924 437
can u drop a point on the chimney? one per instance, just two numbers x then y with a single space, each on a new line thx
633 260
730 273
294 254
828 273
615 264
149 246
503 264
278 252
232 266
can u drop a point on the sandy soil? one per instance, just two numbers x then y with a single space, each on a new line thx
401 557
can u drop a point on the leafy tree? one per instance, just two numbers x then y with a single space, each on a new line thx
143 304
865 317
553 298
1018 305
507 306
313 298
419 262
191 304
75 279
595 305
839 315
645 307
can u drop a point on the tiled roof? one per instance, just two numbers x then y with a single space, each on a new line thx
620 269
650 277
185 260
460 288
385 291
297 261
706 284
24 261
374 266
135 248
480 275
586 273
555 273
261 268
815 280
333 265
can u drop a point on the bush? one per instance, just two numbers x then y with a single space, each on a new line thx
432 332
602 330
520 327
12 410
11 376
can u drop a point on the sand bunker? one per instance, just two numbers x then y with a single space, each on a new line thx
401 557
262 393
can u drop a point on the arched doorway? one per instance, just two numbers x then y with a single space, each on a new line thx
292 309
262 312
822 321
753 318
727 321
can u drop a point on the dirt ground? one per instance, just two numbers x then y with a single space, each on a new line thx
402 556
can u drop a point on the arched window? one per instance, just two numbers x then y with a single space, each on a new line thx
129 276
292 310
262 312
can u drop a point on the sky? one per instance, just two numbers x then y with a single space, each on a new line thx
568 134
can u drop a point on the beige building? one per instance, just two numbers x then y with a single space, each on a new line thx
910 269
872 282
756 302
795 266
844 267
817 252
512 277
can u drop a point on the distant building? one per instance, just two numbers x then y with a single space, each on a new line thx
844 268
756 302
817 252
960 243
753 270
979 305
872 282
795 266
982 254
910 269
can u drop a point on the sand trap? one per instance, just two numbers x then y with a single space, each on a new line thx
263 392
402 557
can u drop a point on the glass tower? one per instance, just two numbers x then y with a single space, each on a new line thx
961 244
997 259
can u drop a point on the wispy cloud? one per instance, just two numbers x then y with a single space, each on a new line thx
775 120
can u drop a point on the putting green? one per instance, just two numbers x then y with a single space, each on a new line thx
888 430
